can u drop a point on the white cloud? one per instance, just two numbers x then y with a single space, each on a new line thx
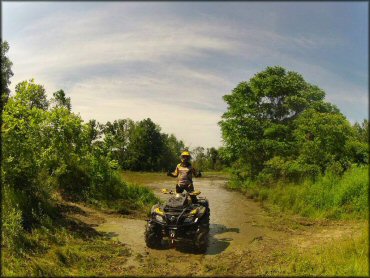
64 43
146 76
194 126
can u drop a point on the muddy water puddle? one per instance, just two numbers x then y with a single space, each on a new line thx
244 238
236 222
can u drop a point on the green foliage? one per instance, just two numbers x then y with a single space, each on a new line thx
278 126
66 249
23 146
140 146
61 100
321 138
358 147
210 159
362 131
50 151
346 257
6 73
329 196
31 95
12 223
199 159
358 151
117 136
145 147
171 151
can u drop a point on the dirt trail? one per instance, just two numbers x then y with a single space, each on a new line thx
243 236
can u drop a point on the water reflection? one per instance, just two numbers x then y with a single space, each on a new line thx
215 246
218 245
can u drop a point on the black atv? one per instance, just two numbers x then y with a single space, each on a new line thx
179 218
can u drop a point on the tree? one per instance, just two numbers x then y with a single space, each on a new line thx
117 138
171 151
322 138
27 155
199 158
31 95
140 146
213 158
259 121
6 74
358 147
362 131
49 152
61 100
145 147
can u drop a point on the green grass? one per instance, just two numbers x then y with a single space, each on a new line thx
71 250
60 246
123 195
346 257
321 200
136 199
330 196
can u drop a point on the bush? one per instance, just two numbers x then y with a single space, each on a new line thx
48 150
359 151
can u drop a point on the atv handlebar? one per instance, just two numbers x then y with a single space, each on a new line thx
166 191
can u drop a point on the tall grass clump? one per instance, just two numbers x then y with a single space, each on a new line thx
68 248
121 196
330 196
11 224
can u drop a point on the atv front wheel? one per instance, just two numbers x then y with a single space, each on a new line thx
201 240
152 237
204 221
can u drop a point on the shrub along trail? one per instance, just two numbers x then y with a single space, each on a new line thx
245 239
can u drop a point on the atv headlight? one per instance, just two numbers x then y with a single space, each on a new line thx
159 218
189 219
201 211
159 211
194 211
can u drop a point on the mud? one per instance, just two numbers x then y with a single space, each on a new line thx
242 236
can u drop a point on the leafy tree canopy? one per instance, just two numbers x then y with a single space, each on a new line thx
61 100
6 73
273 115
31 95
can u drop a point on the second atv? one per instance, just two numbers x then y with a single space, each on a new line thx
179 218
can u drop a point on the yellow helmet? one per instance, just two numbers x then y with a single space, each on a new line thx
185 153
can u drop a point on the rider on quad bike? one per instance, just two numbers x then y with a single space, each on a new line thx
184 217
184 172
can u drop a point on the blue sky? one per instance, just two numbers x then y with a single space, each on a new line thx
173 62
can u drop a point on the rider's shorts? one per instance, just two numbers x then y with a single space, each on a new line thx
188 188
181 188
